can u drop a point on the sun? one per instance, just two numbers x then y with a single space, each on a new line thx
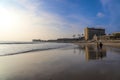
7 19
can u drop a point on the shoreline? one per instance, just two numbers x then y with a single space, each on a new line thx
108 44
62 64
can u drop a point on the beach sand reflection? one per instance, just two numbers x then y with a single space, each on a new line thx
74 63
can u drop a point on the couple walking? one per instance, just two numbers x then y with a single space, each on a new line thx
99 45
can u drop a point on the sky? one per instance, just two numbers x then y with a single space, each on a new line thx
24 20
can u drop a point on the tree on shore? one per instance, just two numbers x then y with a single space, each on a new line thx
79 36
74 36
82 35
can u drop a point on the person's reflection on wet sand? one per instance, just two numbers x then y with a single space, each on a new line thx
93 54
74 50
100 54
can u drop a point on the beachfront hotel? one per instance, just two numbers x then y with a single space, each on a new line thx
91 32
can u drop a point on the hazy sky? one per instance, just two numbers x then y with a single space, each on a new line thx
23 20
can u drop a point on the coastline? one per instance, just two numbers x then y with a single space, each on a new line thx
108 44
67 63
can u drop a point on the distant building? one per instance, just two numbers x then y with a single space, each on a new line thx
67 39
113 36
91 32
36 40
116 35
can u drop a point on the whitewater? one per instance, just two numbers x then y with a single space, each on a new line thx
18 48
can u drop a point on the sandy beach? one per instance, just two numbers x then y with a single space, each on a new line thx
109 44
69 63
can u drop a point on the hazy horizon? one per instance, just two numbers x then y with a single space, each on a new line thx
24 20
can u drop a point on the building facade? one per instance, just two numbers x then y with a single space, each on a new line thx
91 32
116 35
113 36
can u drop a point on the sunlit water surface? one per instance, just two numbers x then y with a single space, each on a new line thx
65 63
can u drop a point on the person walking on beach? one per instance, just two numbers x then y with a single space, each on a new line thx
100 45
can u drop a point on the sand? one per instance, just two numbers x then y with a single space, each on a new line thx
70 63
116 45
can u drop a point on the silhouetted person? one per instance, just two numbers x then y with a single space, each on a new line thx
101 45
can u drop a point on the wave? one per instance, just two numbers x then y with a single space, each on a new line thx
21 42
33 50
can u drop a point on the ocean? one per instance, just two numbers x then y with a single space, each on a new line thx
58 61
13 48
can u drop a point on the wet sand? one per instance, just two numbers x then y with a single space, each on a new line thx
116 45
70 63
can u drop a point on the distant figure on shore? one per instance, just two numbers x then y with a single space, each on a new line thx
100 45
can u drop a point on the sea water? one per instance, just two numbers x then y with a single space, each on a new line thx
12 48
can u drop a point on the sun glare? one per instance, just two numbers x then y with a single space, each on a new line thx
8 19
